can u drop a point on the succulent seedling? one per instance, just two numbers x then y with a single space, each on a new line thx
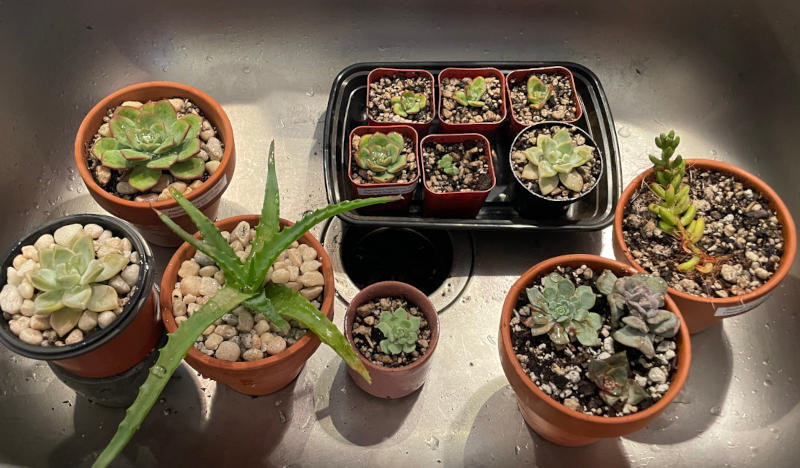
381 154
445 163
472 93
401 330
70 282
612 377
244 284
538 92
642 296
149 140
408 103
562 311
555 159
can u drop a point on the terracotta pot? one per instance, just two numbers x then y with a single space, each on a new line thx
702 312
552 420
522 75
141 214
263 376
393 382
464 204
406 189
378 73
112 350
486 128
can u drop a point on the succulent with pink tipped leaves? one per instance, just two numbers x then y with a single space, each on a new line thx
612 377
150 140
562 311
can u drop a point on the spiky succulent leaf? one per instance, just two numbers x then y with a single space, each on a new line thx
262 305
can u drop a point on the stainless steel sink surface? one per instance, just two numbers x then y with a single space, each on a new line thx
725 75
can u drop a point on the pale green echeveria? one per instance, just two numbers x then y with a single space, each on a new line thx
555 159
401 330
381 154
150 140
562 311
68 280
408 102
472 93
612 377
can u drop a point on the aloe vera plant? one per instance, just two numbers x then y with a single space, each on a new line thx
244 284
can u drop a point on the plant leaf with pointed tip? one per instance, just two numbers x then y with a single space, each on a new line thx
77 297
103 145
64 320
113 159
195 123
260 304
112 264
133 155
189 149
143 178
269 221
165 112
103 298
192 168
47 302
164 162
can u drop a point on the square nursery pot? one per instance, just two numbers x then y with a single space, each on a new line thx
206 197
537 206
517 76
486 128
378 73
393 382
703 312
263 376
549 418
406 189
465 204
110 363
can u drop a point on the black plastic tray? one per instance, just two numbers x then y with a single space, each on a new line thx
347 110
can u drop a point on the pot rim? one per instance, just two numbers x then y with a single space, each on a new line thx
462 137
201 99
382 129
550 123
473 73
593 261
100 336
413 71
371 292
557 68
784 216
170 278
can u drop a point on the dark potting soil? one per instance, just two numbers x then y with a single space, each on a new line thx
470 161
367 336
453 112
590 171
741 229
383 90
364 176
560 106
560 370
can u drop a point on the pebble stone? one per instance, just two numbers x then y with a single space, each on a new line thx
105 318
227 351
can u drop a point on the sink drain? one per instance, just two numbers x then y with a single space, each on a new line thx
438 263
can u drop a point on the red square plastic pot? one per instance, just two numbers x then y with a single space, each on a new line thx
378 73
455 204
406 189
486 128
522 75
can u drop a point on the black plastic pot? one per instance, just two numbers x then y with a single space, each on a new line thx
110 354
537 206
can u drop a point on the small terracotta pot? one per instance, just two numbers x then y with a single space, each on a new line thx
552 420
522 75
702 312
464 204
406 189
263 376
393 382
112 350
141 214
486 128
378 73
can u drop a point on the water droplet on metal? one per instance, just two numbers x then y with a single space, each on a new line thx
310 93
767 383
624 132
432 442
209 58
715 410
245 69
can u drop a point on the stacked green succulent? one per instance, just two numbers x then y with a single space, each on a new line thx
612 377
562 311
70 282
408 102
401 330
472 93
538 92
381 154
555 159
676 211
150 140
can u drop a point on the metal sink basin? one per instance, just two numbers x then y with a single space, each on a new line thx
724 74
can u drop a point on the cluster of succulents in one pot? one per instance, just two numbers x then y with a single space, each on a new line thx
245 284
591 349
77 292
141 141
719 236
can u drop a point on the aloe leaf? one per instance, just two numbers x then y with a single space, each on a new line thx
269 222
292 305
264 306
170 356
213 244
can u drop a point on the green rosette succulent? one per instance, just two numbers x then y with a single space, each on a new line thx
562 311
150 140
472 93
401 330
69 280
381 154
445 163
555 159
612 377
408 103
538 92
